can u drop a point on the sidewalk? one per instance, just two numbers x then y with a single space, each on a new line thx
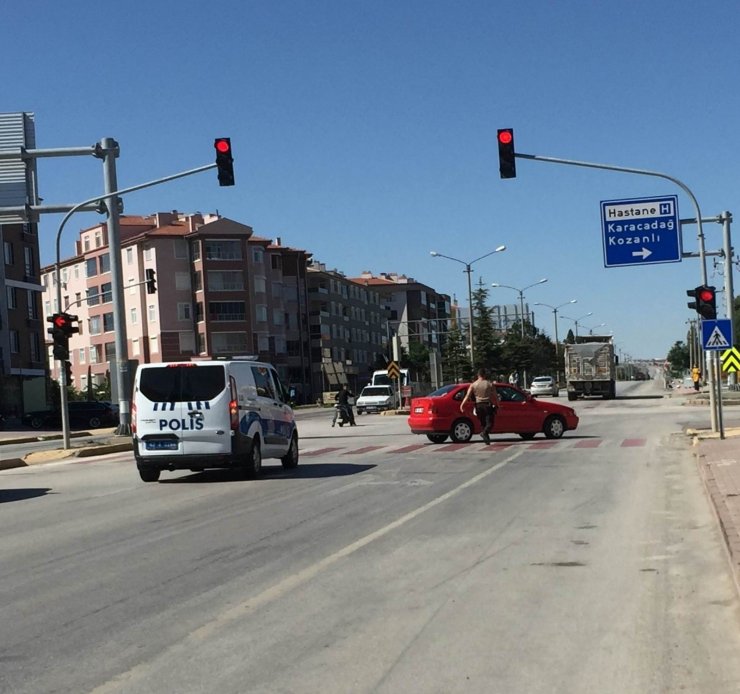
719 465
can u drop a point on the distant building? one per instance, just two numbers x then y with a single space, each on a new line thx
348 329
220 291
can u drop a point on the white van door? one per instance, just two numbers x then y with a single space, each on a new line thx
276 422
183 409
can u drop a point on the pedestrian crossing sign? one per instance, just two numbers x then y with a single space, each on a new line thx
716 334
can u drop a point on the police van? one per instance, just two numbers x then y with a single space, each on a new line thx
210 414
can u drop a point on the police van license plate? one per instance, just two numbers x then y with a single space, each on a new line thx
161 445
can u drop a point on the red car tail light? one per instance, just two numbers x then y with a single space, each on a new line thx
133 418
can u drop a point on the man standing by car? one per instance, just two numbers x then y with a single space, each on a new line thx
343 400
483 392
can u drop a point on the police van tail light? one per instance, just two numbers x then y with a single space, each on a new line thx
233 405
133 418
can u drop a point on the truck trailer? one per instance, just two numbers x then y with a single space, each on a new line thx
591 367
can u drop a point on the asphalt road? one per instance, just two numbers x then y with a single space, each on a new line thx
592 563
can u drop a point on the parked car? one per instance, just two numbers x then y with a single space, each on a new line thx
376 399
438 415
82 414
544 385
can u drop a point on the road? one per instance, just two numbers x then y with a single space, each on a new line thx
592 563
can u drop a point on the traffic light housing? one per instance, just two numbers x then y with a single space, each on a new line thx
68 373
62 326
224 161
705 301
506 157
151 281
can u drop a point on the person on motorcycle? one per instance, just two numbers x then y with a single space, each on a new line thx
342 399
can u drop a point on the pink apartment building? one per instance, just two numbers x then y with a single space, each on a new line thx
221 291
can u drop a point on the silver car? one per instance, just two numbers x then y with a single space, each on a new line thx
544 385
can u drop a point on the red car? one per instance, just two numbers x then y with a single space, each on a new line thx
438 415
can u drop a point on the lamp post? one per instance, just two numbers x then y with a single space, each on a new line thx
521 309
591 329
468 269
577 321
555 313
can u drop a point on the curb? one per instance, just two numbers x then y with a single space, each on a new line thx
40 457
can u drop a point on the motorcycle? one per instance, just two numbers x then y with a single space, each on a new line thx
341 415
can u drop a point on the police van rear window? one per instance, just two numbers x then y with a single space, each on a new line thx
182 383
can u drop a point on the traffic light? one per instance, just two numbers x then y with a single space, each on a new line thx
705 301
506 159
68 373
224 161
151 282
59 336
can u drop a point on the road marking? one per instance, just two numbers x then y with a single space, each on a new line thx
288 584
366 449
590 443
633 442
320 451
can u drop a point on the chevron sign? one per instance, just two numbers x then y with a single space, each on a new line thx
731 360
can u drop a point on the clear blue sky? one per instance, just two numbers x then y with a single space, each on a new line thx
365 132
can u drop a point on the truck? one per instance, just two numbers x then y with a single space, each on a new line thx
591 367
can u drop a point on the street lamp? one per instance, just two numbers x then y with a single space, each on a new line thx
592 328
521 296
521 309
468 270
555 313
578 320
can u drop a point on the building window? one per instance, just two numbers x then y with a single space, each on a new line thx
225 280
12 297
106 290
223 250
28 261
104 263
98 239
182 280
261 313
181 248
277 317
33 311
226 310
110 351
258 255
229 343
91 267
184 311
135 348
8 251
15 342
131 288
187 342
35 344
129 256
108 322
276 261
152 313
201 343
195 250
86 242
153 344
148 253
81 358
260 286
93 296
134 316
198 281
94 324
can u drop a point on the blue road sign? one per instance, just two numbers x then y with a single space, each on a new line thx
716 334
642 231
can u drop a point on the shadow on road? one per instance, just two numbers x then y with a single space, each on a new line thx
303 471
7 495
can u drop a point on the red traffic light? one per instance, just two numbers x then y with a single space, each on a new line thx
61 321
505 137
223 145
705 294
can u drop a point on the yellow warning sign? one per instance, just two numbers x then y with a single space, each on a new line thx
393 371
731 360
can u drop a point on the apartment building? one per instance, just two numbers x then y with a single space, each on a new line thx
348 329
415 311
22 327
221 291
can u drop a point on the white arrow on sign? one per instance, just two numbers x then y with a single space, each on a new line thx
645 252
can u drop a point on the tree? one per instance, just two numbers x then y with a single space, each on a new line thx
418 361
487 349
678 356
455 358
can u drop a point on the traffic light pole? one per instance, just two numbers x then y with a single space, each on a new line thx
109 150
700 235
